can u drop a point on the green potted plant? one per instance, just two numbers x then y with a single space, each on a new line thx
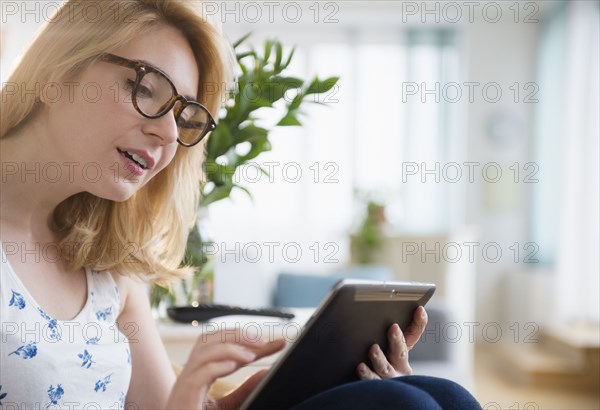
262 83
369 236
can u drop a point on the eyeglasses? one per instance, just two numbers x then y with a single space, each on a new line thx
153 95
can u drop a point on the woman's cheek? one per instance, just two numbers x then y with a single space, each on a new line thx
168 157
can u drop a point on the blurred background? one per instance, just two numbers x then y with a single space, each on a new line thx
460 146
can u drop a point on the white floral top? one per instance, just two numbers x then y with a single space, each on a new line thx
83 363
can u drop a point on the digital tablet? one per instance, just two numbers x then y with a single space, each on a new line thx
352 317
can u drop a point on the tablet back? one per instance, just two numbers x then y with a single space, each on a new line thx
352 317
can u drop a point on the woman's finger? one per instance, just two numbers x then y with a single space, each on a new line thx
191 388
236 336
380 363
364 372
268 348
220 352
204 367
414 331
206 375
211 360
207 342
234 399
398 350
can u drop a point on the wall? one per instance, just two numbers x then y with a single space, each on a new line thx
505 54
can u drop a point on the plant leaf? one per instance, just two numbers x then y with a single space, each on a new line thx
219 142
329 83
245 54
220 175
288 82
278 56
217 194
319 87
295 104
259 102
268 47
241 40
289 120
289 59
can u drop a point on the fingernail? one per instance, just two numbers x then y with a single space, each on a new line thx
397 330
249 355
275 341
374 350
255 339
423 313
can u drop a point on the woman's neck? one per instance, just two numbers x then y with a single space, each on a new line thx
31 183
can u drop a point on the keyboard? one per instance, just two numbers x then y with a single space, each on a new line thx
206 312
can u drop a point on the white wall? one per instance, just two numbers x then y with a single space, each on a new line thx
504 54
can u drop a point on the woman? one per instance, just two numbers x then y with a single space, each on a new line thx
101 163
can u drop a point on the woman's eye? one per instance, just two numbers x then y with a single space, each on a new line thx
129 84
143 92
182 122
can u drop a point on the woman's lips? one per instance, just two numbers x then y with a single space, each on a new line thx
131 164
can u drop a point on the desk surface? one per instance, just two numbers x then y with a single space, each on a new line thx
267 327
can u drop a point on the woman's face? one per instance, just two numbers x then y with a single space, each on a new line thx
96 126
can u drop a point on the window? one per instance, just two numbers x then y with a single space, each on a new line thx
359 141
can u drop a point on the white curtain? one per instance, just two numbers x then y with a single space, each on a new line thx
578 272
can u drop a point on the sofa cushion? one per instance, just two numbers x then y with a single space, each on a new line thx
308 289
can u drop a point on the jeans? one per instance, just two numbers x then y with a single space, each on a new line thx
404 393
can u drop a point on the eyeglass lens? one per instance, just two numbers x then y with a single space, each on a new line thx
154 95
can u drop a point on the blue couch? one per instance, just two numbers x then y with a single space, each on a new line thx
307 290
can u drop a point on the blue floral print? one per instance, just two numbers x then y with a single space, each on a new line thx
52 325
17 300
3 395
92 340
101 384
26 351
86 359
103 314
55 394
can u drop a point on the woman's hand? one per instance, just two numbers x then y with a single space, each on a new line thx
395 362
218 355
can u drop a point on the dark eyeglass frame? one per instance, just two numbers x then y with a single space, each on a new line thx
141 70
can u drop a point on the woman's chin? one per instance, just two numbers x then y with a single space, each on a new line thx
115 195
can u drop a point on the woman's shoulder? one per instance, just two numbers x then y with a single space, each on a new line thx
123 285
130 288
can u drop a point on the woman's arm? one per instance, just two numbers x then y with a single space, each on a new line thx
152 376
153 384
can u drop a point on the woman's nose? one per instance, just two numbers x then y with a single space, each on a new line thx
164 128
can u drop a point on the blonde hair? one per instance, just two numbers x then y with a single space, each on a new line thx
145 235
